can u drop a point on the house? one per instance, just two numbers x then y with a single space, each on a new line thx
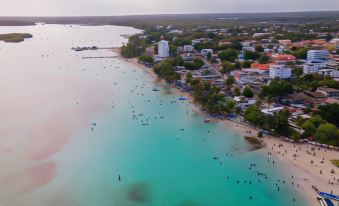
248 48
248 43
264 67
280 71
329 92
286 42
243 102
260 34
188 48
205 52
222 43
300 98
282 57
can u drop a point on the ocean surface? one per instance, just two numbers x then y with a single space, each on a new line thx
92 132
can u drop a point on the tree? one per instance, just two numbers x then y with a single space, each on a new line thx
327 134
189 77
230 81
259 48
236 91
311 125
227 67
330 113
237 111
264 59
249 55
281 122
146 58
246 64
299 122
298 71
237 65
301 53
247 92
254 115
165 70
277 88
228 55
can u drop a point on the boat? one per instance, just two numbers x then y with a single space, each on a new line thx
329 196
207 120
155 89
183 98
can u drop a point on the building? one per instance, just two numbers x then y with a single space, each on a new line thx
280 71
248 43
188 48
282 57
150 50
248 48
329 92
163 49
333 73
313 68
204 52
285 42
317 56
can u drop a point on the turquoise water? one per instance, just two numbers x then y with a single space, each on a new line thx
112 124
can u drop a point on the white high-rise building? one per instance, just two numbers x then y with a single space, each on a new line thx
163 49
317 56
280 71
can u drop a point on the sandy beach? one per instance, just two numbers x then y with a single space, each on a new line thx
305 166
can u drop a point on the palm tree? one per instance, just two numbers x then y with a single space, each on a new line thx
299 122
237 111
269 102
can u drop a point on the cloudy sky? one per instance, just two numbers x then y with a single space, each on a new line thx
122 7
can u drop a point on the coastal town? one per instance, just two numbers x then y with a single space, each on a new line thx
271 79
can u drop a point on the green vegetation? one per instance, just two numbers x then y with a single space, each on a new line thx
335 162
227 67
196 64
277 87
277 124
14 37
146 58
228 55
247 92
165 69
330 113
321 130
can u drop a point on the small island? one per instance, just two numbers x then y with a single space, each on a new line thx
15 37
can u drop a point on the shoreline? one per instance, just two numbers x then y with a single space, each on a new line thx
294 157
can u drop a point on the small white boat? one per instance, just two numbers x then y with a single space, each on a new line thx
155 89
207 120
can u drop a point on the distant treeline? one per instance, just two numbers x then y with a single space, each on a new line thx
9 22
191 20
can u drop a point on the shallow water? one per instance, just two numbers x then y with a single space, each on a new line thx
69 131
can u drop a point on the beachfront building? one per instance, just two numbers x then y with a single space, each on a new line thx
317 56
280 71
163 49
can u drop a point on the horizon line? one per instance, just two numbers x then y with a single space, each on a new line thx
168 14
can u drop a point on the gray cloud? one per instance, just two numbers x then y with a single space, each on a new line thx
122 7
